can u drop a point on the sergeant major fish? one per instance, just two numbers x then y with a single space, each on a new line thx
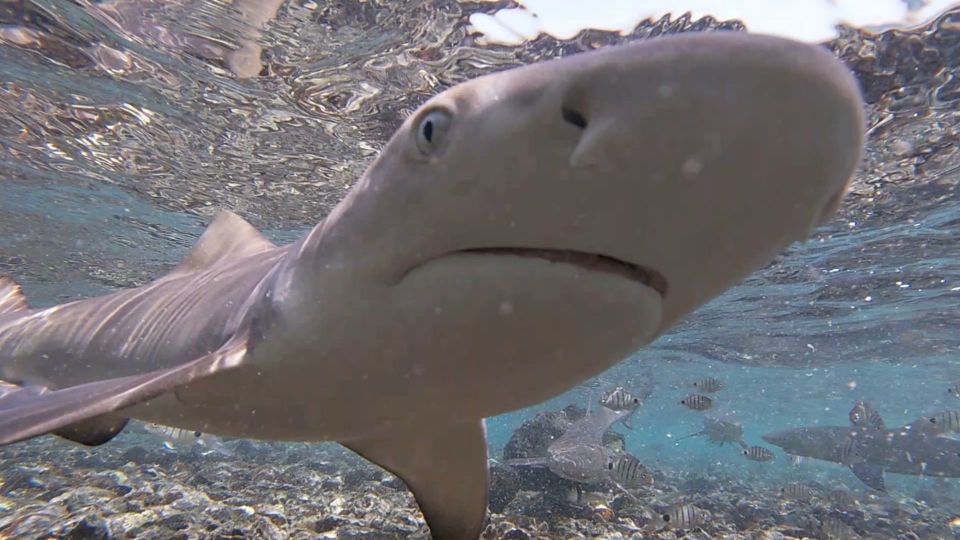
619 399
697 402
863 415
758 453
796 491
684 516
708 385
627 471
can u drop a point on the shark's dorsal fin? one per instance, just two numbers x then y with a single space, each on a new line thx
11 297
446 469
228 236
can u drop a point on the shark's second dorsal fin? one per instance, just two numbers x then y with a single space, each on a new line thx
11 297
229 236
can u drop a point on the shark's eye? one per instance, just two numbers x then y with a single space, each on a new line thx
197 434
431 130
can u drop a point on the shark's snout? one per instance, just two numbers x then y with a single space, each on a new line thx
776 439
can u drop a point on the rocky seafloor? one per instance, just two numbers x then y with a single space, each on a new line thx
134 487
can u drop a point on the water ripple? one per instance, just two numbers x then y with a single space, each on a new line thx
145 117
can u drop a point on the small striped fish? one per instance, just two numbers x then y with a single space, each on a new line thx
863 415
709 385
627 471
758 453
697 402
619 399
835 529
955 389
943 423
796 491
842 498
174 436
684 516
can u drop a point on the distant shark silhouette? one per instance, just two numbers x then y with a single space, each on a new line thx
519 234
870 451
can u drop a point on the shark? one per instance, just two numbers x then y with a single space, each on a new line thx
579 454
519 233
871 450
719 432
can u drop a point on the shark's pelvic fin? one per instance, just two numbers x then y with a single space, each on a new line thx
91 432
27 412
11 297
228 236
94 431
870 474
446 470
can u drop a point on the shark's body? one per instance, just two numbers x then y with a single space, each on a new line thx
719 432
904 450
519 234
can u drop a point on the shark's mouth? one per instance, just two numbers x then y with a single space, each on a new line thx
593 262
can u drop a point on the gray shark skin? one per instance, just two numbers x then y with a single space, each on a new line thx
520 233
579 454
900 450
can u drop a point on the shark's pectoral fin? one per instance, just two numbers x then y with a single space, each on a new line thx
28 412
870 474
446 470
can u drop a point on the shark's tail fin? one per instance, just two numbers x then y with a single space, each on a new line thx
11 297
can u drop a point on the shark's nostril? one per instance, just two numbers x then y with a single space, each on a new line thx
573 117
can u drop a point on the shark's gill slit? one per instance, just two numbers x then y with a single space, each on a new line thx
573 117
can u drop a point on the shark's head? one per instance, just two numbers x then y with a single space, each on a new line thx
542 223
821 442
